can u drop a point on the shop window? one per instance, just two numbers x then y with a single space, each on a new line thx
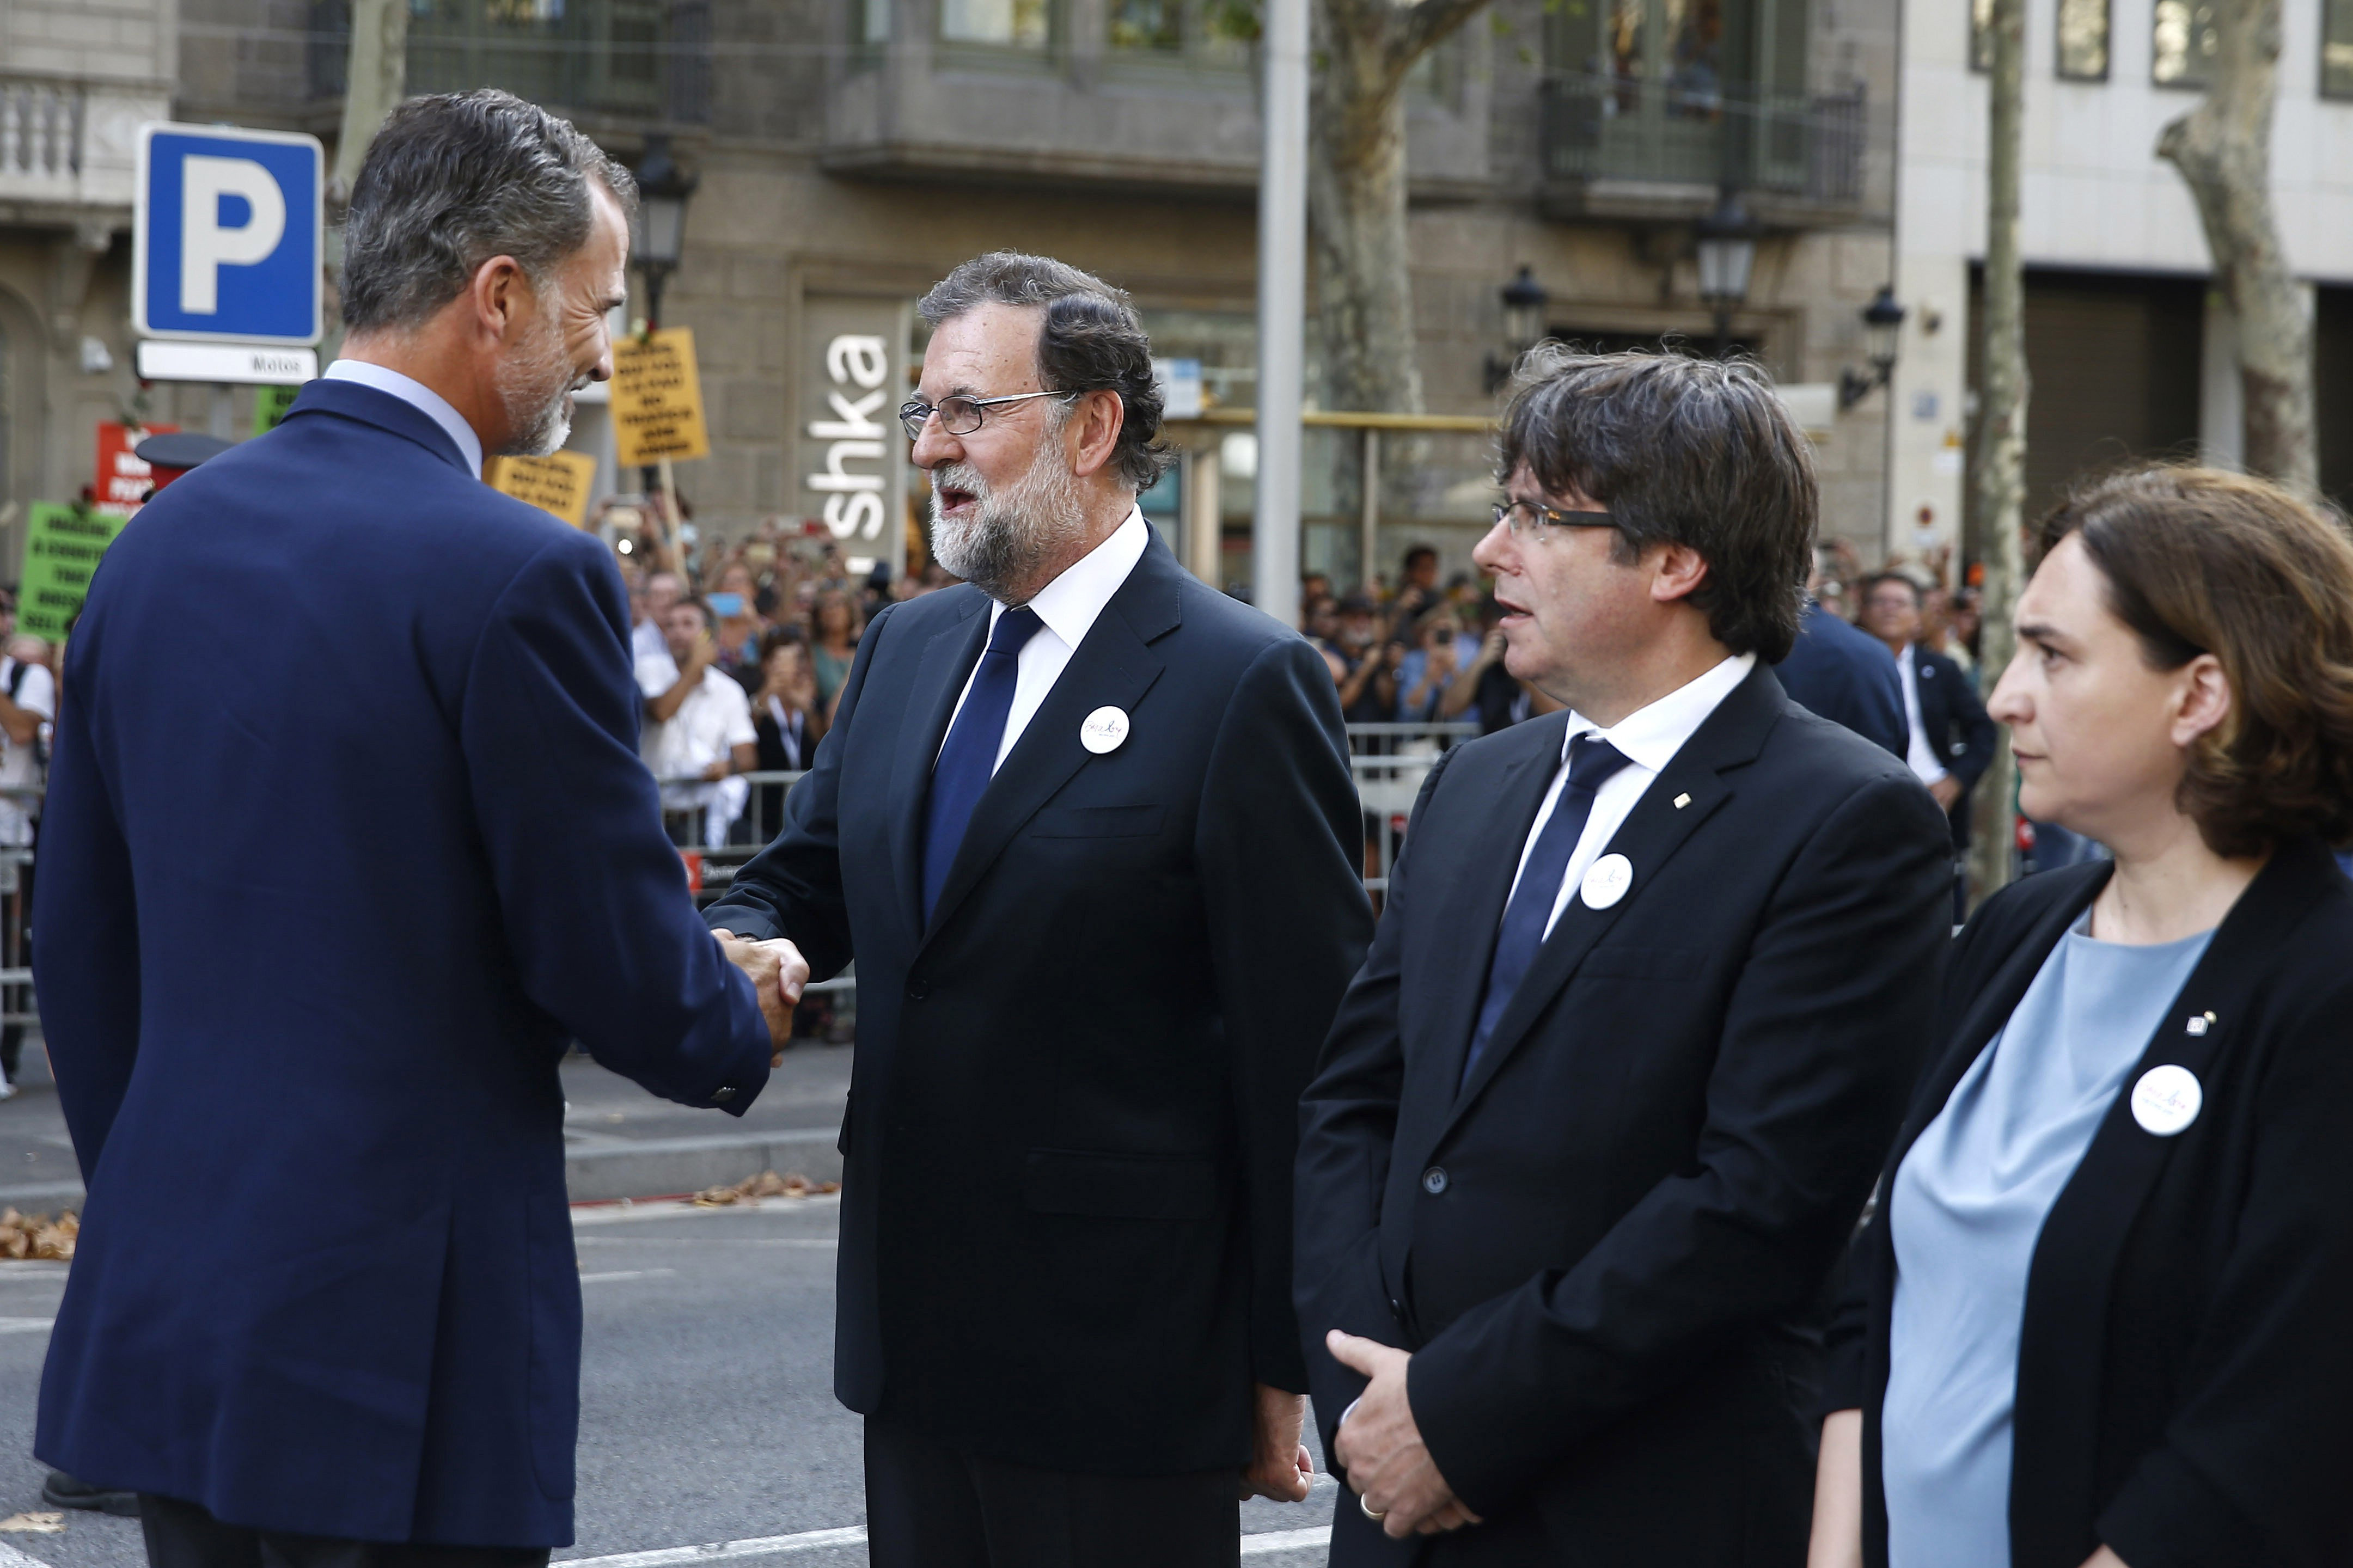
2083 40
2336 48
2184 43
1024 25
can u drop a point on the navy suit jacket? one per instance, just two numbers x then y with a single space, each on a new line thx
1953 716
1848 676
1602 1245
1066 1216
346 837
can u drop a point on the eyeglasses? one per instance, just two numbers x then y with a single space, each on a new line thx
959 414
1528 520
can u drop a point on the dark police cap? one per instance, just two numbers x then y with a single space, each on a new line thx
182 450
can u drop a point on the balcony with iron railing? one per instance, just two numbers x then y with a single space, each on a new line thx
630 59
68 145
1621 147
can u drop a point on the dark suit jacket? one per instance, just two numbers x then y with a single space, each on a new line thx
1953 717
1066 1221
2184 1373
346 837
1848 676
1603 1249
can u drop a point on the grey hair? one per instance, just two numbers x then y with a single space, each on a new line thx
1091 340
1696 452
455 179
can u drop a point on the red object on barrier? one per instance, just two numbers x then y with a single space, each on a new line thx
2025 834
692 860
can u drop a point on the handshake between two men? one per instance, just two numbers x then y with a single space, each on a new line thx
779 975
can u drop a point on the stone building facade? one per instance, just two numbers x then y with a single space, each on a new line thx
851 150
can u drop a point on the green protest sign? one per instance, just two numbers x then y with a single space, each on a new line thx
270 405
62 545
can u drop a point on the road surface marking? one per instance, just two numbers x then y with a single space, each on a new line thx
12 1558
24 1326
1258 1545
628 1274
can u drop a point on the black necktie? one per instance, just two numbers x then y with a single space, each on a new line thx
1591 761
968 761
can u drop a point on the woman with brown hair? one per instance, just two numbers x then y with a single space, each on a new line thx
835 627
2097 1317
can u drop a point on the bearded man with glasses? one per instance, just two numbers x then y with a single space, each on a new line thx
1087 827
1646 999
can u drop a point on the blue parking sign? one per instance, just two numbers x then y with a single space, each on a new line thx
227 234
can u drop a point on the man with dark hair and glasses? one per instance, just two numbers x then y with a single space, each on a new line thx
1635 1029
1088 828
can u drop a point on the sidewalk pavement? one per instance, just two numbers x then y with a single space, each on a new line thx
619 1141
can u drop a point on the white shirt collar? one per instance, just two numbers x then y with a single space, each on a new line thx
418 396
1649 736
1069 603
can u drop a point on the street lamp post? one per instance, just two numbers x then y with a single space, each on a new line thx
1523 322
660 232
1882 320
656 236
1727 255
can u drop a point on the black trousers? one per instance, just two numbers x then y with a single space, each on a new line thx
182 1535
931 1506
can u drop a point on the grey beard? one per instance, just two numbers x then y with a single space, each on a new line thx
535 387
1012 534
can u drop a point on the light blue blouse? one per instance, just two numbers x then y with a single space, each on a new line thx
1968 1204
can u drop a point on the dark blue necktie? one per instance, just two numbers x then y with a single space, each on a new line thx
1591 761
968 761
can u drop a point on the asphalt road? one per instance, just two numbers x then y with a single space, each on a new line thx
707 1415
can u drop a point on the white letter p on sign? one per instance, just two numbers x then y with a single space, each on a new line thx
205 246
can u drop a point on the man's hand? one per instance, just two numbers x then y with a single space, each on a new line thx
779 973
1382 1448
717 771
1947 790
1281 1468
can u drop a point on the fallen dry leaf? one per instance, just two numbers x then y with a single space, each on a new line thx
766 1185
35 1523
39 1237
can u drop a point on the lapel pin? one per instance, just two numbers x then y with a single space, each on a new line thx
1606 881
2200 1026
1682 801
2167 1098
1104 730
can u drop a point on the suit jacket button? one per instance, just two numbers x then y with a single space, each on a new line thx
1396 1310
917 991
1433 1180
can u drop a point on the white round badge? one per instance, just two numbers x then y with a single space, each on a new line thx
1104 731
1606 881
2167 1100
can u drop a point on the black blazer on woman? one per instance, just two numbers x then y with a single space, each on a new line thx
2185 1381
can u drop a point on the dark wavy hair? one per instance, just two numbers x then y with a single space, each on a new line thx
454 179
1697 452
2200 561
1091 340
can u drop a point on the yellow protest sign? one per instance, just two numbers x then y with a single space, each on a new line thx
658 399
558 483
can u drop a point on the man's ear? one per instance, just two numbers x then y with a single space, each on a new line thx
497 293
1101 417
1676 573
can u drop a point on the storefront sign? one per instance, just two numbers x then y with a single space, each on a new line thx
852 454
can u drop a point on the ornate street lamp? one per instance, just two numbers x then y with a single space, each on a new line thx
1727 255
1523 322
1883 323
660 232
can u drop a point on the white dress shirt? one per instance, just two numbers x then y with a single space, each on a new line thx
418 396
1067 605
1919 754
1648 738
